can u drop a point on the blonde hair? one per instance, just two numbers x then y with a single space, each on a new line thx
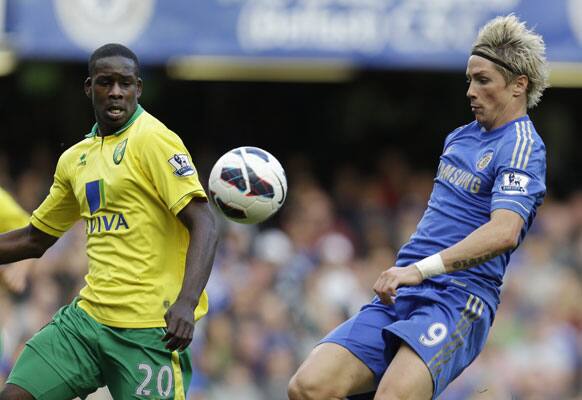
508 40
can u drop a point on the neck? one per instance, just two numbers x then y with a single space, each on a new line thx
511 112
104 131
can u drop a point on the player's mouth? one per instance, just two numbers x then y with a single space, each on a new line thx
115 112
475 109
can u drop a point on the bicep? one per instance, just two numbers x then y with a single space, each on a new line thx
196 213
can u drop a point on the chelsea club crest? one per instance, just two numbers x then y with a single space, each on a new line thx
484 160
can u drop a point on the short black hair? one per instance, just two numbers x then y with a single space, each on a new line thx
112 50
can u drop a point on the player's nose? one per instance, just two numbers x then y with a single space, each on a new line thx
471 91
115 90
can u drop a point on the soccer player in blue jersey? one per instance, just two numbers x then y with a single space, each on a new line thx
432 313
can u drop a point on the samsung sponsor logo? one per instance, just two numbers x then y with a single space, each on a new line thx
459 177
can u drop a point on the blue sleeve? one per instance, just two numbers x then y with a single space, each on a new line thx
520 172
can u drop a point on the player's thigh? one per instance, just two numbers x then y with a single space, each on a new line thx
331 371
407 377
36 378
352 358
446 331
59 362
138 366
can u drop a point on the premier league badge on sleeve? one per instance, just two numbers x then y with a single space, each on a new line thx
514 183
181 164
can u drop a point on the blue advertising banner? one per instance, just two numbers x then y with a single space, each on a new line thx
377 33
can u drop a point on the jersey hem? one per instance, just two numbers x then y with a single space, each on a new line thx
83 305
184 200
120 324
43 226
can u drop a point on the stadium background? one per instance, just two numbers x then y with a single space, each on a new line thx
359 138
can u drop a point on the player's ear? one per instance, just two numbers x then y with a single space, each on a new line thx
139 87
520 85
87 87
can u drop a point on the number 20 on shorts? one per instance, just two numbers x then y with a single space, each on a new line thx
164 381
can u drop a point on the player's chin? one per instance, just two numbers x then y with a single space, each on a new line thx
480 117
115 123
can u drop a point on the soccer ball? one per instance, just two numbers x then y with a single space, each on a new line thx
248 185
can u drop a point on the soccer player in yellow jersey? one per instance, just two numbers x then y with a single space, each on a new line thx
151 239
12 216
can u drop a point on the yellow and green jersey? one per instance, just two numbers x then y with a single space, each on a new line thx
128 188
12 216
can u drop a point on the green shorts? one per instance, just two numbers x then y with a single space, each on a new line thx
74 355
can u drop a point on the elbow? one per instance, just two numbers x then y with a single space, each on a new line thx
38 243
37 249
508 242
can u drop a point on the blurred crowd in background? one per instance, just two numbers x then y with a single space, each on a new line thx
277 288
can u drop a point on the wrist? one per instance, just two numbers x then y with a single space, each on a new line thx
431 266
189 300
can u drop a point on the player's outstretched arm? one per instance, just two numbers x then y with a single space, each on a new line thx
20 244
199 220
490 240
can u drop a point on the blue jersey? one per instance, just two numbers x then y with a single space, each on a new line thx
480 171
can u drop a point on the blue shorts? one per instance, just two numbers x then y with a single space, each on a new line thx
445 325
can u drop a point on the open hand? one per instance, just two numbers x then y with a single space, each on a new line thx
15 275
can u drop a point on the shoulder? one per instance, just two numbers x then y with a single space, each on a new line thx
463 129
460 132
152 131
149 127
74 154
521 137
521 147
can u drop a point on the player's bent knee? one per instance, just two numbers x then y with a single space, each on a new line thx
304 387
300 389
13 392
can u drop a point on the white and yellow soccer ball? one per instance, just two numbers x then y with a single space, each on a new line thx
248 185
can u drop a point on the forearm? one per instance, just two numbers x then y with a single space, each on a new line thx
199 258
490 240
483 244
19 244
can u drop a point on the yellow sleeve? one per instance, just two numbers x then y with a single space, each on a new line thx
168 164
12 216
60 210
